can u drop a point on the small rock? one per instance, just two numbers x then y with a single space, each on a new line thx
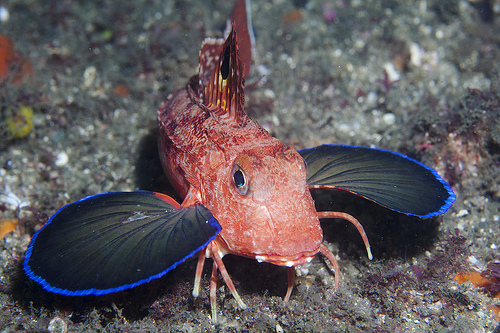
57 325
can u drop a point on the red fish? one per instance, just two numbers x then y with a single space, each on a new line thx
254 185
245 193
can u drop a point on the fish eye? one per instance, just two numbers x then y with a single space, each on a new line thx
240 181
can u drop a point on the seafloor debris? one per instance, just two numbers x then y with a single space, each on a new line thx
488 280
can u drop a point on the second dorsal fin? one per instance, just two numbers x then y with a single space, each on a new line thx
224 92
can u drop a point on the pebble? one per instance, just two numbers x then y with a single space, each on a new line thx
389 118
61 159
4 14
89 76
392 73
57 325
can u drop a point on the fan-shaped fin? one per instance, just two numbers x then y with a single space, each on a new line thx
114 241
388 178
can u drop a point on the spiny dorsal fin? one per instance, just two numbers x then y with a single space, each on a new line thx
209 58
224 93
242 20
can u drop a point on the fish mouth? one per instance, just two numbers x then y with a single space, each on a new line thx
275 259
287 261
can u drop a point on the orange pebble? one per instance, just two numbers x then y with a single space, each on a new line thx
122 90
292 16
6 226
474 277
25 69
7 54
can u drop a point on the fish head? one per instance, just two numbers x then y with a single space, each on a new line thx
265 208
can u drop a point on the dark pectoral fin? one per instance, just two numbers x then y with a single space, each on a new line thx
113 241
390 179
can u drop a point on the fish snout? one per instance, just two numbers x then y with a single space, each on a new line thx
296 234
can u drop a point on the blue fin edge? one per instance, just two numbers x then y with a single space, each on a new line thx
213 222
448 202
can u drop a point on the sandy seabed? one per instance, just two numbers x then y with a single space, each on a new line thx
416 77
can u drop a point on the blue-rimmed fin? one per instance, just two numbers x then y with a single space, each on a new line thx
388 178
113 241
